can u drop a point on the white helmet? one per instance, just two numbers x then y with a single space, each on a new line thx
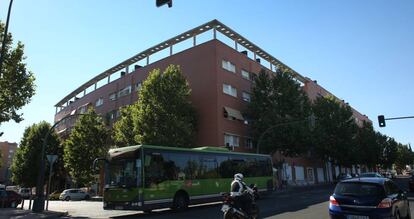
238 176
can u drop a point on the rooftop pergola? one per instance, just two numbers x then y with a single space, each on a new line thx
213 26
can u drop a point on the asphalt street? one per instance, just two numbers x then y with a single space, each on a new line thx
305 204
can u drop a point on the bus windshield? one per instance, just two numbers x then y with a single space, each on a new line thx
123 173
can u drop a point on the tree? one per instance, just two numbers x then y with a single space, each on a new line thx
26 163
123 130
16 82
164 113
277 103
389 150
369 150
335 131
87 141
404 156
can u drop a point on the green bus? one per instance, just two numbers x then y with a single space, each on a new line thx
146 177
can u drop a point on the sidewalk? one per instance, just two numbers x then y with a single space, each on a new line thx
14 213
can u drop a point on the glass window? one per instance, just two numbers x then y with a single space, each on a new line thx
208 168
246 96
231 140
228 89
99 102
125 91
138 86
112 96
249 143
359 189
245 74
154 168
228 66
123 173
177 166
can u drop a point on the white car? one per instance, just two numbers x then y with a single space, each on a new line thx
73 194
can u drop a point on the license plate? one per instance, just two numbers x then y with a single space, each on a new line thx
356 217
119 207
224 208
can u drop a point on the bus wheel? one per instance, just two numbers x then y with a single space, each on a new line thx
180 201
147 211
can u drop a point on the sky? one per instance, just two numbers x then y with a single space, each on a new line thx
361 51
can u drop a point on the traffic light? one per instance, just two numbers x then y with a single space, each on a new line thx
160 3
381 121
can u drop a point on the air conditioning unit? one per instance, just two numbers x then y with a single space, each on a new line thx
244 52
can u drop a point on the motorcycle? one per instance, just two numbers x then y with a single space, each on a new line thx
232 211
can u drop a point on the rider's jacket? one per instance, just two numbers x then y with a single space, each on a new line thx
237 188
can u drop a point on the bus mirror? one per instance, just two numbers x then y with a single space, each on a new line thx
95 166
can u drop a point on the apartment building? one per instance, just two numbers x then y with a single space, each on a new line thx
8 151
219 65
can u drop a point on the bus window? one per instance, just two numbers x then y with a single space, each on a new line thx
225 167
208 168
176 167
122 173
154 169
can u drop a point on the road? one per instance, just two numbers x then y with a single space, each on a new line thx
306 204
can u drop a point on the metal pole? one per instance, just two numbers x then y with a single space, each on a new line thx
48 186
3 46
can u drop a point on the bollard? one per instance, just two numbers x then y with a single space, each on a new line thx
22 204
30 203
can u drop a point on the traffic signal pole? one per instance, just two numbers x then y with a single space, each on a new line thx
381 119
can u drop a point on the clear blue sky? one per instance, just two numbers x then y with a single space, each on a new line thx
362 51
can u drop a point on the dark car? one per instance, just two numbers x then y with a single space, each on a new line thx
9 199
371 174
411 183
368 198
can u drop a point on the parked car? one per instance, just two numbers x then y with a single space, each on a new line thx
9 199
74 194
55 195
371 174
343 176
365 198
25 192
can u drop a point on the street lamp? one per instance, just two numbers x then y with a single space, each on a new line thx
3 45
311 119
39 201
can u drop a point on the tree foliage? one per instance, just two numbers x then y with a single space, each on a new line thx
335 131
16 82
124 131
369 152
405 156
87 141
163 115
26 162
277 103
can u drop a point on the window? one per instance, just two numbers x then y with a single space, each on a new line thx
112 96
99 102
83 109
228 66
231 140
228 89
246 96
125 91
138 86
249 143
245 74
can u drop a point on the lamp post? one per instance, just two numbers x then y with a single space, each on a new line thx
311 119
3 45
39 201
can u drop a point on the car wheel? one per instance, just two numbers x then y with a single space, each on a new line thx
87 197
67 198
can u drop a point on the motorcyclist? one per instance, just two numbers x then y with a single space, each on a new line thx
239 192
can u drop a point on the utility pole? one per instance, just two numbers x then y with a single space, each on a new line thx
3 45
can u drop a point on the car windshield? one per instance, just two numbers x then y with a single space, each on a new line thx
359 189
123 173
